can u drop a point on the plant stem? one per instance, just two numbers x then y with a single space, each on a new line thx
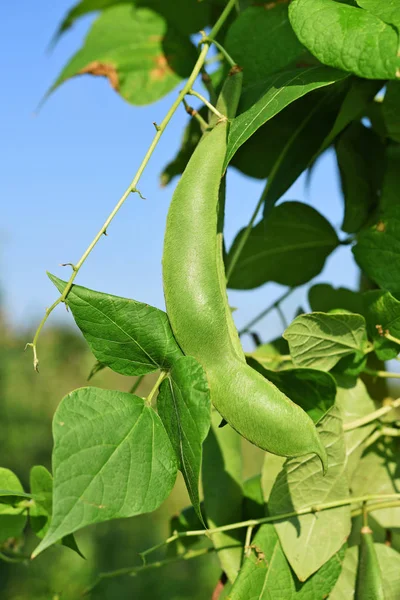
196 115
222 50
133 185
157 384
266 311
384 374
377 414
377 506
136 384
160 563
271 519
207 103
391 337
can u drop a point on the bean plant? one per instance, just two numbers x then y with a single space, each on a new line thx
281 83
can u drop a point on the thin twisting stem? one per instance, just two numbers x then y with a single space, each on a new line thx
207 103
133 185
377 414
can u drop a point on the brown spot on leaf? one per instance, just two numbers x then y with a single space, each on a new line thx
100 69
161 69
380 226
270 5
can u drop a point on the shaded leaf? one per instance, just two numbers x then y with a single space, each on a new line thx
262 101
320 340
378 251
266 574
142 59
112 458
313 390
323 297
354 402
391 182
222 480
253 501
389 563
378 470
391 111
382 312
272 466
257 53
187 520
290 248
130 337
12 519
13 496
346 38
301 484
360 156
184 406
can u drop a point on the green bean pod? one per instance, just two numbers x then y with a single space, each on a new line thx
369 583
198 309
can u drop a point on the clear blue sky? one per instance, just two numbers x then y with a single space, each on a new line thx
63 170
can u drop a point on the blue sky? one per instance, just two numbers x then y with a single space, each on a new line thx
63 170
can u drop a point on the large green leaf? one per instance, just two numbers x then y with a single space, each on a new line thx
188 16
391 110
347 38
323 297
354 402
264 100
12 519
300 484
388 11
378 251
184 406
142 59
263 42
378 473
313 390
223 492
360 155
382 311
320 340
130 337
266 575
389 563
290 248
391 181
112 458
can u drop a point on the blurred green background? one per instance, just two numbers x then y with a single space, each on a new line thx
27 403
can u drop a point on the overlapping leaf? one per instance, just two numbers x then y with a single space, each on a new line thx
12 518
130 337
112 458
290 248
184 406
320 340
323 297
390 110
382 311
309 541
347 38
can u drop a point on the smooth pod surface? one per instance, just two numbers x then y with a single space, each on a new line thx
369 582
198 309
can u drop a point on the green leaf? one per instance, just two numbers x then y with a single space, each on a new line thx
223 492
253 501
13 496
378 251
378 470
323 297
187 520
266 575
262 101
257 53
346 38
129 337
390 110
382 311
290 248
360 155
301 484
320 340
112 458
388 11
188 16
354 402
389 563
142 59
313 390
12 519
391 181
184 406
272 466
